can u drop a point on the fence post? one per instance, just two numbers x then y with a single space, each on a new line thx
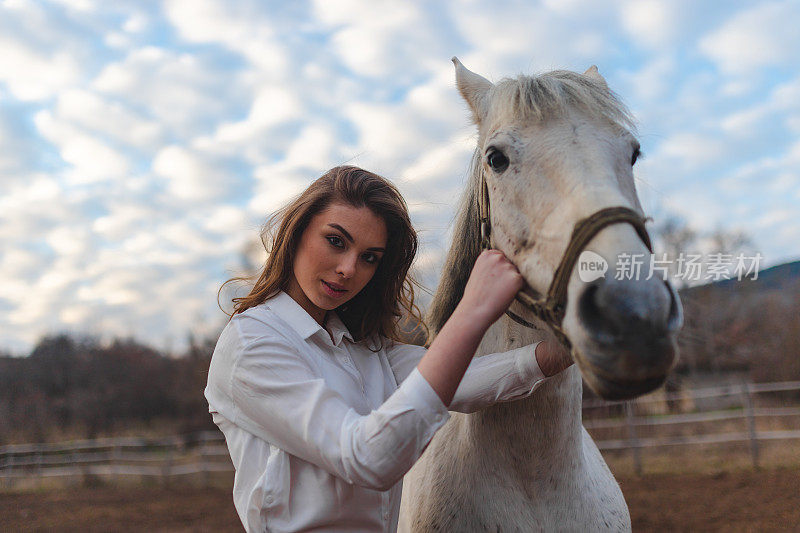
166 468
10 460
633 440
747 404
203 466
38 468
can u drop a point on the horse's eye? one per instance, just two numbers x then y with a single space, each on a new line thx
497 160
636 153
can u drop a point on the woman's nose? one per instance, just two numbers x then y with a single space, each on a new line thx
347 266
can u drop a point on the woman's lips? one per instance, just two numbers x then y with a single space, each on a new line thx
333 290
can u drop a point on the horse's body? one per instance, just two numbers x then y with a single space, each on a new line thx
521 466
530 465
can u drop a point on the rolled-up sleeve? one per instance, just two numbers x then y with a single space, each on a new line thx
279 398
489 379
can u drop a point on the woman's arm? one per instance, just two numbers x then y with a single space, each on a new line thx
491 378
268 387
491 287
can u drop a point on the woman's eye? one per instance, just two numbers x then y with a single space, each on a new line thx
335 240
496 160
371 258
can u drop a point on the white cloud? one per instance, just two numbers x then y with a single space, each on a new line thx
183 92
386 133
92 160
124 219
653 82
272 107
40 55
652 23
110 119
763 35
16 263
275 185
315 147
692 149
17 145
142 145
31 74
118 40
376 43
192 176
504 39
78 5
394 135
226 220
433 182
69 241
35 193
136 23
774 218
245 27
573 7
745 123
781 107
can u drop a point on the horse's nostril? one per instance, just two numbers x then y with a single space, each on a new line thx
612 310
591 314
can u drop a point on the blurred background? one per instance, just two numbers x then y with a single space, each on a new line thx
144 144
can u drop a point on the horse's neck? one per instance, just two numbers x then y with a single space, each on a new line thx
543 429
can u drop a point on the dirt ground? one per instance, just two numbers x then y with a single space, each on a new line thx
746 501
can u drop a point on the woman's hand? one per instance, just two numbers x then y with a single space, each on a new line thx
491 287
552 357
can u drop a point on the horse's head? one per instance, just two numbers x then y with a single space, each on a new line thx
553 150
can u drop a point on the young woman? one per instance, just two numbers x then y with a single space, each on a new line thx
323 408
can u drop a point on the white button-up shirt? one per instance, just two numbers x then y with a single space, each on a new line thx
321 429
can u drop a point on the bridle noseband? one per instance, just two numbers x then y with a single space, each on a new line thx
552 307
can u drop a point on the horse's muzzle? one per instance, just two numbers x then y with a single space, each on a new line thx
629 338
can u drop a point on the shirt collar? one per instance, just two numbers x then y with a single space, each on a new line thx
337 328
305 326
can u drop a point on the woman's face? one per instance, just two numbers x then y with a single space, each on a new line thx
337 255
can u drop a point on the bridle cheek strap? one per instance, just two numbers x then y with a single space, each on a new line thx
552 308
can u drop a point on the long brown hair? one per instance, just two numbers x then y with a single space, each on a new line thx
389 295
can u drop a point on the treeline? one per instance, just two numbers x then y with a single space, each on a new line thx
71 387
745 327
74 387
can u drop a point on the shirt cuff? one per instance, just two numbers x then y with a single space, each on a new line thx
528 366
425 401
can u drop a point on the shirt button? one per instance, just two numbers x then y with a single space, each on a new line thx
268 499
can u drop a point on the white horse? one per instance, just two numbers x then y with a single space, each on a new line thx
552 150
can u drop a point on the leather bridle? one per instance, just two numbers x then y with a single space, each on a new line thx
551 308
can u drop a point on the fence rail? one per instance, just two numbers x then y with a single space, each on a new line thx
205 452
746 412
163 458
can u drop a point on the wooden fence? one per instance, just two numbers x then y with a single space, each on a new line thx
205 452
747 412
163 458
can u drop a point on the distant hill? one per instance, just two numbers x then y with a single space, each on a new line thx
744 325
777 277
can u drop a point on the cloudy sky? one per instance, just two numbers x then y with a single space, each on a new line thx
142 143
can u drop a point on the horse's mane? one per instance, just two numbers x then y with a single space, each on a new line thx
538 97
464 250
553 93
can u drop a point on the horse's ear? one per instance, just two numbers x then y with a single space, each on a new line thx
474 89
593 74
